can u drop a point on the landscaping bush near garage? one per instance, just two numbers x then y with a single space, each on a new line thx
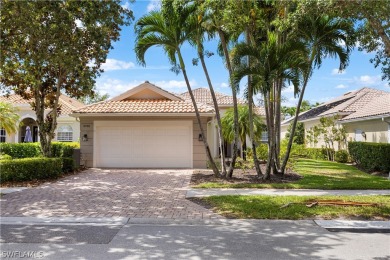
19 156
28 169
370 156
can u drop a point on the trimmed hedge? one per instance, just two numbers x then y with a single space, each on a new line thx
341 156
31 150
28 169
370 156
21 150
68 164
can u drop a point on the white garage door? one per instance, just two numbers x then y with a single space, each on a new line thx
137 144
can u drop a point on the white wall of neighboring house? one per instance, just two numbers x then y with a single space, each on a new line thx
375 130
26 112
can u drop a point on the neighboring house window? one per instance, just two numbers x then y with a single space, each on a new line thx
264 136
65 133
2 135
358 135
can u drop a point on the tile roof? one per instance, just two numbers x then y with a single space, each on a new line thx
68 104
350 102
377 106
144 106
203 95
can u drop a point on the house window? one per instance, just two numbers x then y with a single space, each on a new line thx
358 135
264 136
65 133
2 135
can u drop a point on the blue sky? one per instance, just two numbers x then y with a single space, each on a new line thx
122 71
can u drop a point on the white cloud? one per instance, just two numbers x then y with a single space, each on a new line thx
112 64
224 85
338 72
367 80
341 86
174 84
154 5
126 5
289 89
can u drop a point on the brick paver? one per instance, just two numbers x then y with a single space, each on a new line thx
109 193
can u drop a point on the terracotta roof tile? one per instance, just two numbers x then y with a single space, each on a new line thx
68 104
203 95
144 106
377 106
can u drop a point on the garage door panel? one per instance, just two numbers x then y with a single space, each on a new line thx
144 145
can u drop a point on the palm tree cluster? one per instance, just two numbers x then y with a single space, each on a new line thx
259 43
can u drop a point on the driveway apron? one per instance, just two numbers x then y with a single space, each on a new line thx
109 193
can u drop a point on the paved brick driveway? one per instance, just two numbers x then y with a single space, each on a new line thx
109 193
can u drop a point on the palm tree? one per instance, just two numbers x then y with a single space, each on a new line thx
324 37
198 17
156 29
8 117
215 23
271 61
243 126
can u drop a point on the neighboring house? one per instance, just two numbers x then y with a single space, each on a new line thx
371 123
349 108
146 127
225 102
68 128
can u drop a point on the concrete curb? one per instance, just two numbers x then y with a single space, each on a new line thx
199 193
11 190
353 225
63 221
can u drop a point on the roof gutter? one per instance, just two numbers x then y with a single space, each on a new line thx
139 114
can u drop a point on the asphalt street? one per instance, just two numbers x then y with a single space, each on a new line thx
187 239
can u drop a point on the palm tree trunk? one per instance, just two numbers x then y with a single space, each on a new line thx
295 121
267 107
235 107
217 114
206 145
278 91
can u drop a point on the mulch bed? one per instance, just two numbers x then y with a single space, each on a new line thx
242 177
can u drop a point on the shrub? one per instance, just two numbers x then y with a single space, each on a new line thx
5 157
68 164
262 151
370 156
28 169
244 165
30 150
341 156
21 150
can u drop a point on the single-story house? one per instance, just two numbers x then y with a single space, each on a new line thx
68 128
371 123
355 109
148 127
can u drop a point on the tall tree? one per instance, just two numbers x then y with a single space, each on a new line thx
156 29
324 36
199 17
94 98
216 24
9 117
243 125
49 47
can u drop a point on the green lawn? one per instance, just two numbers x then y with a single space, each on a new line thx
318 175
268 207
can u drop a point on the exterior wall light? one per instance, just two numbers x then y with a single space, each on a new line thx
200 138
364 135
85 138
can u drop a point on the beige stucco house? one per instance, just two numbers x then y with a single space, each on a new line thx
359 114
149 127
68 128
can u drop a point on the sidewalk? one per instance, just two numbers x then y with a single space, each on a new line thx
199 193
